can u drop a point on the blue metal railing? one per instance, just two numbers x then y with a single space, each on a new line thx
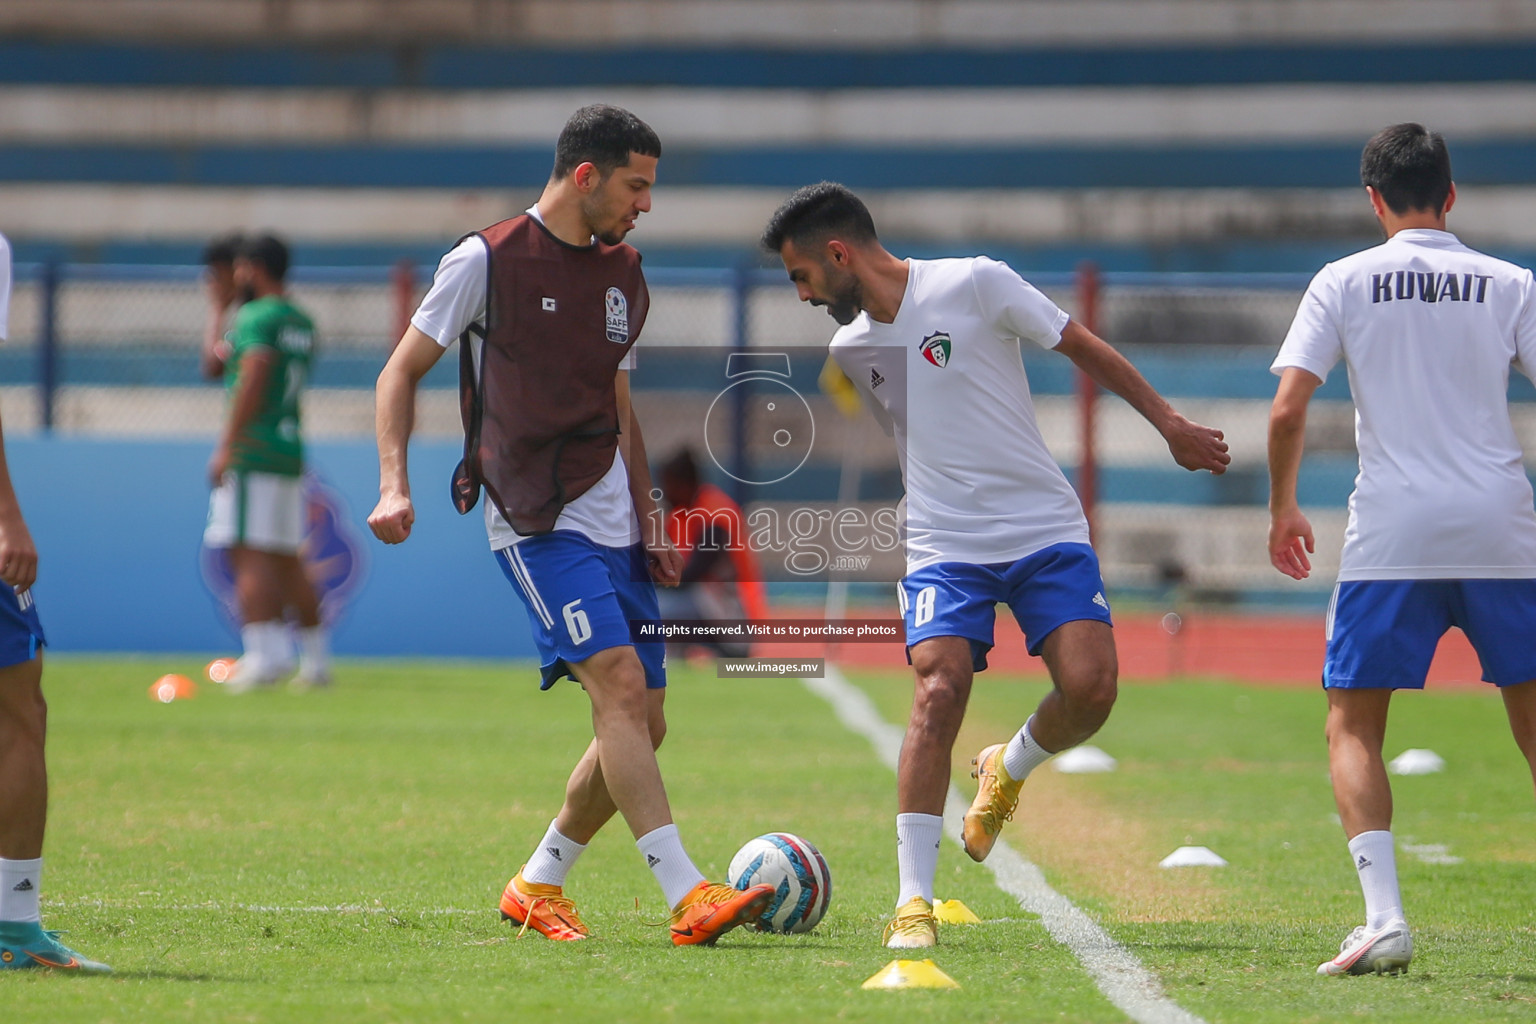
57 362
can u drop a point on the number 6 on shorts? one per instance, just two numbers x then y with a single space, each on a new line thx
576 622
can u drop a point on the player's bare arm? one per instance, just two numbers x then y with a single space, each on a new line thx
1290 534
665 561
255 372
18 555
215 351
394 419
1193 446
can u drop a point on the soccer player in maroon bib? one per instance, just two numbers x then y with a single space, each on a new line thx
546 308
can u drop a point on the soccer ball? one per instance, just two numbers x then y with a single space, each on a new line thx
798 874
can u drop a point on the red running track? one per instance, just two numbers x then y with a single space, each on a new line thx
1249 648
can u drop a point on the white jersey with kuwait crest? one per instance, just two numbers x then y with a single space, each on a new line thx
1429 330
947 379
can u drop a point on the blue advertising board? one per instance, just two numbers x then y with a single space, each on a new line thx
118 526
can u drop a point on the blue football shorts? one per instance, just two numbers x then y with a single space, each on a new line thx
580 597
1047 589
21 631
1383 633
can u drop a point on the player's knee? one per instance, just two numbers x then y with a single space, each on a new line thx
25 713
1092 694
658 731
630 680
1332 731
941 696
1349 728
616 686
624 715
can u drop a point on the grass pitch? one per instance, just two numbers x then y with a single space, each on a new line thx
338 855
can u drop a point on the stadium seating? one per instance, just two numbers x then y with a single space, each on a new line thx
366 131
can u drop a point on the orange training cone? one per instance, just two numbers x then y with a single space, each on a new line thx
172 687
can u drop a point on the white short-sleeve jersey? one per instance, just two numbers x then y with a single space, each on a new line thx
948 379
605 513
1428 330
5 289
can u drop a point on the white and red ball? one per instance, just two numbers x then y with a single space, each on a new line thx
798 873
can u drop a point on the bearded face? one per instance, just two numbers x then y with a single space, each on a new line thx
612 208
844 294
243 280
823 280
605 215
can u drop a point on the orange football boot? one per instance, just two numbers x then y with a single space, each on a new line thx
544 908
711 909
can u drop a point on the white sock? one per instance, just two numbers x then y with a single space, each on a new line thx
253 637
315 652
553 860
1375 861
1023 755
917 854
268 647
20 881
669 862
278 645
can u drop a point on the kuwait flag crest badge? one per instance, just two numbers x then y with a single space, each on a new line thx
935 349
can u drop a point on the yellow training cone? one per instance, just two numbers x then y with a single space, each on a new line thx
910 974
954 912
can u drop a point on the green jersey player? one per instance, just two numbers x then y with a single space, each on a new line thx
256 512
283 334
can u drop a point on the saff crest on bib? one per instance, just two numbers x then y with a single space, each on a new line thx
617 308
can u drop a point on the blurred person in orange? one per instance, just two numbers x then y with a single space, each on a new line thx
721 578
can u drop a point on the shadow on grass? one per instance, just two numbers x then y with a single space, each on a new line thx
153 975
758 949
1194 947
120 975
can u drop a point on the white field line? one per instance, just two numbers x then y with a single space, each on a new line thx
1120 976
1430 853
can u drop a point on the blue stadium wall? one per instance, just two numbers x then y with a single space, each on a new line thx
118 525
